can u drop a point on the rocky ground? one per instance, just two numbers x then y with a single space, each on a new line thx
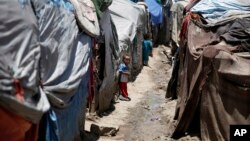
148 116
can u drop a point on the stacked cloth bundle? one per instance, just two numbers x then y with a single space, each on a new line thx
214 78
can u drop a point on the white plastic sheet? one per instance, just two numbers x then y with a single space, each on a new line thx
215 11
127 18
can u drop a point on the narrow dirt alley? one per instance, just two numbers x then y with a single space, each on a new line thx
148 116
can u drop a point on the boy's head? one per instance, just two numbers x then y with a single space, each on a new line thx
146 36
126 59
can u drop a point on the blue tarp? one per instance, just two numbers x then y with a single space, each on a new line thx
155 10
65 124
216 10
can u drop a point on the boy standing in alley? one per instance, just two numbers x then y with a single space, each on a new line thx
147 48
123 77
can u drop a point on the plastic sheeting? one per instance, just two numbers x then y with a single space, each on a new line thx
64 64
127 22
114 21
66 124
130 27
66 50
19 57
155 10
217 10
86 15
108 86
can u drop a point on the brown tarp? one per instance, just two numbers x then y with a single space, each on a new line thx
214 79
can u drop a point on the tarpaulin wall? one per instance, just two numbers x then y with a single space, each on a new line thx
126 22
41 44
130 28
119 31
64 66
214 73
22 103
111 60
19 58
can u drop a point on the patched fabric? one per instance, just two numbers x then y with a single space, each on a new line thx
19 58
85 12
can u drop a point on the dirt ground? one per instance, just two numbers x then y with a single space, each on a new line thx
148 116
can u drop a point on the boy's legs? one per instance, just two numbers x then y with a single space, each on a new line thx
123 89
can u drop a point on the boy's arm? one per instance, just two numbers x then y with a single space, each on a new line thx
126 72
122 70
150 45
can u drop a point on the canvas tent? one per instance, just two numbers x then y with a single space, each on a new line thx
64 69
44 71
128 22
130 29
108 62
213 75
118 33
86 16
165 27
22 101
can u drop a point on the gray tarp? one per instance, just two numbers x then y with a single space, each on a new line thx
127 25
108 86
130 27
127 22
64 64
64 52
19 57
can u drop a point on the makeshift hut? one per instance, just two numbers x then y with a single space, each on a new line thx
120 33
213 72
106 58
130 28
64 66
22 100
